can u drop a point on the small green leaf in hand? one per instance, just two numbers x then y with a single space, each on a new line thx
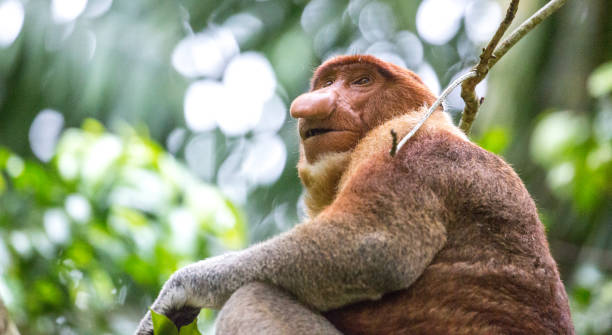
190 329
164 326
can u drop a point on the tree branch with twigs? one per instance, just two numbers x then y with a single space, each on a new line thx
490 55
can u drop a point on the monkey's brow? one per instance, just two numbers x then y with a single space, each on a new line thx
356 63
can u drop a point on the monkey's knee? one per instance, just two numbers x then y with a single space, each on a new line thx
259 308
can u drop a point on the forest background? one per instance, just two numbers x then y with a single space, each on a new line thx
139 136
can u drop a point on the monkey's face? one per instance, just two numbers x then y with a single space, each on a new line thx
349 96
335 114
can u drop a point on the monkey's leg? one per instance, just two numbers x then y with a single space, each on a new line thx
259 308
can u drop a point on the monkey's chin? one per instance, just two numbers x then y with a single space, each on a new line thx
333 141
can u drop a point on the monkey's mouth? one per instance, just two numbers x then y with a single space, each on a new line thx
316 131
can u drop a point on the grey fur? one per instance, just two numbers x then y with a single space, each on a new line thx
325 263
259 308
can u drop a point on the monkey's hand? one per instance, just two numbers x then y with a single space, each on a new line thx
205 284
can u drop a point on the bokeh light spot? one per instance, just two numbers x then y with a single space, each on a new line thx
265 160
230 179
11 21
273 115
21 243
317 13
554 133
202 100
250 82
44 133
200 155
14 166
102 154
376 22
244 27
439 20
560 176
64 11
387 52
204 54
326 37
429 77
175 140
250 75
358 46
481 20
184 230
78 207
56 225
410 47
97 8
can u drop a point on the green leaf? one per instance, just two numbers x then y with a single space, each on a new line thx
162 325
190 329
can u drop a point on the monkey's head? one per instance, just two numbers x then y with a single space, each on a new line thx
350 95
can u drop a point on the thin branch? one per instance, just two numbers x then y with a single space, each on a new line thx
468 87
501 30
433 107
539 16
487 59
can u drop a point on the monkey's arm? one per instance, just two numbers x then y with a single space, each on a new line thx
377 236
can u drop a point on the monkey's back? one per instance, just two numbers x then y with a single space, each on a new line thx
495 275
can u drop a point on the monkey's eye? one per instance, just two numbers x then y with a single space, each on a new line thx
362 81
327 83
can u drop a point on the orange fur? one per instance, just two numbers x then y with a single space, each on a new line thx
494 274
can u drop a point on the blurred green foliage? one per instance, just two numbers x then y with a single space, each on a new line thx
576 151
495 140
90 242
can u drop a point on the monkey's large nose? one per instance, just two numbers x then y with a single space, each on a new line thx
314 105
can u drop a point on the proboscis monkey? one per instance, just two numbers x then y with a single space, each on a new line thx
442 238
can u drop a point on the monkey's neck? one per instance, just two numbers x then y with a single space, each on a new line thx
321 179
324 178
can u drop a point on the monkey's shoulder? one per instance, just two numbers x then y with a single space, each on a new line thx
438 158
437 145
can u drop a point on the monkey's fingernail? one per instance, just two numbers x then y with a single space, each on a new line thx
481 100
